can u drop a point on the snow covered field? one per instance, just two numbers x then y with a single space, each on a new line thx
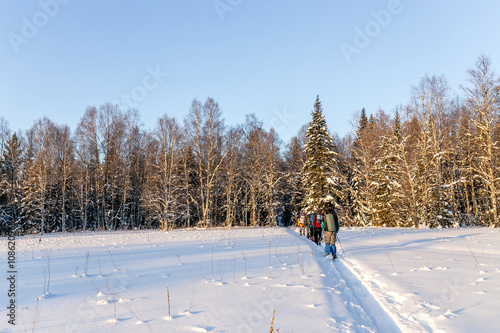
221 280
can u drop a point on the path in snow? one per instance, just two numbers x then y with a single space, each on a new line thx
359 297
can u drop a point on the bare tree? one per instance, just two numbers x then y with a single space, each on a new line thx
254 148
163 184
232 167
64 155
133 171
204 128
88 169
432 109
38 178
483 99
273 175
112 134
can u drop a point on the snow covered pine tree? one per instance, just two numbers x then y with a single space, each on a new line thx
320 175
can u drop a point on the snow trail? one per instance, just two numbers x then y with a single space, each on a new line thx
368 299
358 300
381 318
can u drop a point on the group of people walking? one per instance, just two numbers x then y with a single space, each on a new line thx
319 226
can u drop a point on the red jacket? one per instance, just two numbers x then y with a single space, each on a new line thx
316 223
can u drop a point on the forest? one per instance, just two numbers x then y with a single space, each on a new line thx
433 162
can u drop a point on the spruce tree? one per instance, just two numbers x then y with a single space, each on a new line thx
320 180
363 122
294 161
387 189
361 164
11 182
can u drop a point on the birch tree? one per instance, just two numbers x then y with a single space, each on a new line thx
36 205
483 99
273 175
112 135
254 152
204 128
64 159
163 185
233 165
89 172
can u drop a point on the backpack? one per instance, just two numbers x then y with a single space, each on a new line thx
302 220
317 222
332 223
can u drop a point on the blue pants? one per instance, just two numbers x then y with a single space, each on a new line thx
330 248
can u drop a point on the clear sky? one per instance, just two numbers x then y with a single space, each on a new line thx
265 57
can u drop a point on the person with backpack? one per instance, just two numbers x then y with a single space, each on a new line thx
318 231
302 224
312 221
331 226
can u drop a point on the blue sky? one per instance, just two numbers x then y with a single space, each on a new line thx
265 57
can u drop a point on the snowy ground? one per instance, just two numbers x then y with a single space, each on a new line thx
430 280
388 280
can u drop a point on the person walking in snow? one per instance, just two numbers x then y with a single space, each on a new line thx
316 230
310 219
331 226
302 224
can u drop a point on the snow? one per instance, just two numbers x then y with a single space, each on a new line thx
231 280
439 279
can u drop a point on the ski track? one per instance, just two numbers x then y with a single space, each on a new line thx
388 301
373 307
379 316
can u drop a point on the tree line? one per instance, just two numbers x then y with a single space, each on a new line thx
111 174
432 162
435 163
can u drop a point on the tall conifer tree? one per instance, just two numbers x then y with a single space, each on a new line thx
320 179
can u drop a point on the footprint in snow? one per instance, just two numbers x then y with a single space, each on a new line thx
203 329
430 306
448 315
